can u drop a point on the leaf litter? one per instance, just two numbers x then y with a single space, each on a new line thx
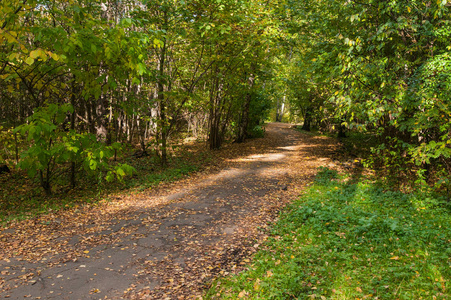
175 238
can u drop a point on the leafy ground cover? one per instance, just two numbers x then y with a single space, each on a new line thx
169 241
349 238
356 144
21 197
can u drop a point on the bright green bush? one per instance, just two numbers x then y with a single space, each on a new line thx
52 147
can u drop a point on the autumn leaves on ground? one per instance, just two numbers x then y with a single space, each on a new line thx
167 242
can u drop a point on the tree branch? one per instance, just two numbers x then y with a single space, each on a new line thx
15 12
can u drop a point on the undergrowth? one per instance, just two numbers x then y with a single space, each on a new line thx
22 198
349 239
357 144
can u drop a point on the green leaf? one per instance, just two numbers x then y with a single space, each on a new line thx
120 172
93 164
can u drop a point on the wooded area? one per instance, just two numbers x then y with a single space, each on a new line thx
108 107
381 67
79 80
82 78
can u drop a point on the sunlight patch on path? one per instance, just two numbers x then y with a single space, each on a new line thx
290 148
261 157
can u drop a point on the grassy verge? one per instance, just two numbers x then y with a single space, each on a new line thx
345 239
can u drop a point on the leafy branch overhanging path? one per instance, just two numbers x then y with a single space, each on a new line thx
166 243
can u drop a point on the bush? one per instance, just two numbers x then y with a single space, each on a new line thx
52 147
258 132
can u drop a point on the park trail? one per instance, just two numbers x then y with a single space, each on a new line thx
168 242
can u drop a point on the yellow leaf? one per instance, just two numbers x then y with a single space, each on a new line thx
54 56
86 251
24 50
395 257
29 61
257 284
10 38
13 56
34 54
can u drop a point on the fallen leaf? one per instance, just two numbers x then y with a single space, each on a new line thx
242 294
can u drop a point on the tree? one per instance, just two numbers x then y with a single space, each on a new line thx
382 65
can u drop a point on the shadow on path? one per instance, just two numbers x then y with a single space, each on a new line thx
169 242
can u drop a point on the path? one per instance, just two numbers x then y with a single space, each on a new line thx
166 243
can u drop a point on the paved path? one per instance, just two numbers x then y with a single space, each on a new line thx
168 243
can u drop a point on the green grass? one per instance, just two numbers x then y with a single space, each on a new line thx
345 239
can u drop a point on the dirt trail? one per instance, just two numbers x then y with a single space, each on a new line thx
167 243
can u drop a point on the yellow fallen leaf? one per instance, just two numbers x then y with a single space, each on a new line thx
395 257
257 284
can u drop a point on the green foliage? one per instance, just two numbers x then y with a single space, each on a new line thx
257 132
345 240
52 147
326 176
47 150
377 66
8 148
260 107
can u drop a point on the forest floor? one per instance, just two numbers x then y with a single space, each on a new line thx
167 242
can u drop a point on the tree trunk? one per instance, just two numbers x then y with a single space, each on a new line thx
244 120
280 109
214 137
161 101
307 120
72 127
